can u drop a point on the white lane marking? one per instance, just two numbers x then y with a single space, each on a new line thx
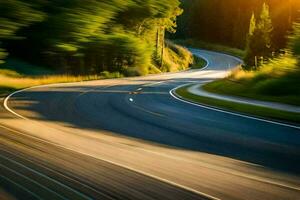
206 60
155 83
106 160
121 165
5 103
174 95
117 164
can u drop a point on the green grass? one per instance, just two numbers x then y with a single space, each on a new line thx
15 75
244 89
176 58
199 63
276 81
212 47
240 108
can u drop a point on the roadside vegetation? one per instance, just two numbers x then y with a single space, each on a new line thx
271 70
240 108
198 63
265 76
95 40
227 22
176 58
16 74
89 38
277 81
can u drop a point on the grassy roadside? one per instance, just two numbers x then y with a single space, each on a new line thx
212 47
276 81
10 84
15 75
242 89
199 63
240 108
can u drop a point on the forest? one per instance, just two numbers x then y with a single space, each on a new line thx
267 32
136 37
227 21
92 36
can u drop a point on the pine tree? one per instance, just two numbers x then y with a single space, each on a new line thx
265 27
250 49
259 45
252 25
294 41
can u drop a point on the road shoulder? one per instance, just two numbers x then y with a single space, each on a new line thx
254 109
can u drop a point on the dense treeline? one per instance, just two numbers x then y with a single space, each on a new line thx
227 21
88 36
294 41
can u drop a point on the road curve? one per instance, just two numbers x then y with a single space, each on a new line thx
146 143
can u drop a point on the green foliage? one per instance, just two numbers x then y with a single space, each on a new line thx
265 25
259 45
90 36
226 22
239 107
176 58
277 80
198 63
294 41
15 14
252 26
122 53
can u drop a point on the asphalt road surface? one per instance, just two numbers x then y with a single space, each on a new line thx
130 139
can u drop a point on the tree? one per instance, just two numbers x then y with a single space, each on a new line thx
90 35
258 47
201 20
15 14
265 28
250 47
294 41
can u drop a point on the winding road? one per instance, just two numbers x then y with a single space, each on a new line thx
130 139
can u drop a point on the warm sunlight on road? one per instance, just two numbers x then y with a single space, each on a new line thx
134 124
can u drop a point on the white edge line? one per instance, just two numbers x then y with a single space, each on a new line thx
118 164
206 60
176 96
5 103
114 163
172 93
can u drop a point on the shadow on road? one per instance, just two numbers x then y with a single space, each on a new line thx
151 114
